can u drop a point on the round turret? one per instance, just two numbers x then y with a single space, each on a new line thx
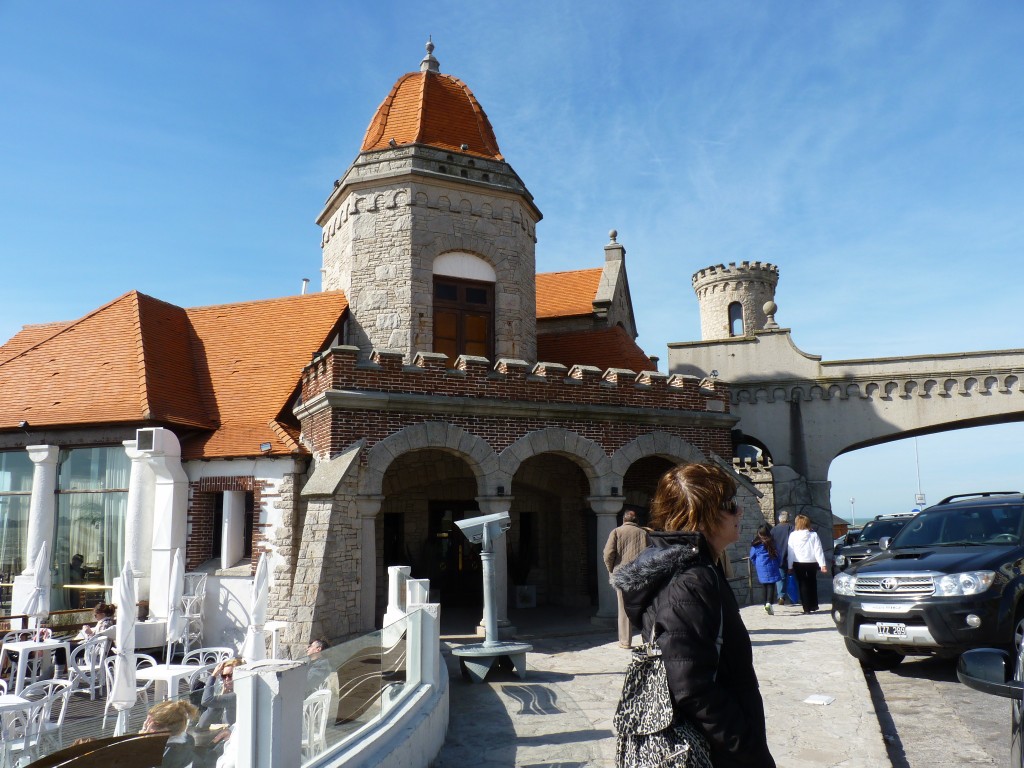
733 298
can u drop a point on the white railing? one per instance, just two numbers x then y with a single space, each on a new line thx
388 703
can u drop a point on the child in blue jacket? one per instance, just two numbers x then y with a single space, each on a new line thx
766 560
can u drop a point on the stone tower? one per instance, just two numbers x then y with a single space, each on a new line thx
732 299
430 196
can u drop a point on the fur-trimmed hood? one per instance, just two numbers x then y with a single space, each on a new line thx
669 553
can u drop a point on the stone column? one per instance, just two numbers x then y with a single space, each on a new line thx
606 508
368 507
138 521
492 505
42 505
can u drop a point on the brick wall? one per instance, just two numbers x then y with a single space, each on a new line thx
329 432
202 503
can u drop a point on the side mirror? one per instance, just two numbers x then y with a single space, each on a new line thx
989 670
883 543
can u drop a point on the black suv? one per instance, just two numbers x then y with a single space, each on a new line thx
950 580
867 540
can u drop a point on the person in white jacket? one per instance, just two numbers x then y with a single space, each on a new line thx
805 557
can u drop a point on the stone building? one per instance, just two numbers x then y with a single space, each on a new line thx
436 376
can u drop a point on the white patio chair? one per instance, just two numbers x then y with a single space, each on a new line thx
142 661
3 686
195 584
85 665
314 723
212 655
46 721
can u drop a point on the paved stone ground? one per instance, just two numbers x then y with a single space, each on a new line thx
560 715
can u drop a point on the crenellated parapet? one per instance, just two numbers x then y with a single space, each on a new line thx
744 270
347 397
343 368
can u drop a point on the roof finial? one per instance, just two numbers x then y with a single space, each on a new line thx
613 235
429 63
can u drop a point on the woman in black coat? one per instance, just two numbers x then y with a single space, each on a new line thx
677 588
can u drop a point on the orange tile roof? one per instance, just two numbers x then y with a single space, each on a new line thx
603 348
228 371
567 294
256 352
434 109
28 336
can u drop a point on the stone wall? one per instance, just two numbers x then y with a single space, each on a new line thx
379 245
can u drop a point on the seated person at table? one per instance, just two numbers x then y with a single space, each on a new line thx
319 667
218 709
173 717
76 575
103 614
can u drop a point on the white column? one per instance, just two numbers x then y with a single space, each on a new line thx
492 505
170 512
138 521
42 505
398 575
368 507
268 725
606 508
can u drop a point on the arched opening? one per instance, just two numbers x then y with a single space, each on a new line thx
551 545
736 319
883 479
640 483
425 493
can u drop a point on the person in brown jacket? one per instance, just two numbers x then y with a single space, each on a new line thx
624 544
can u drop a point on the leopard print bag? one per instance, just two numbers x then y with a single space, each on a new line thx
647 736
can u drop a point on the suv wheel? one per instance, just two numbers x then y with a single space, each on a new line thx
874 658
1018 629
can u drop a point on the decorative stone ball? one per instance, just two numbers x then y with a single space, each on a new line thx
612 234
770 308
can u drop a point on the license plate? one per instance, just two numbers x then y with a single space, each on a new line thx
891 629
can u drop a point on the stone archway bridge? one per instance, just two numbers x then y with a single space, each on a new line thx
805 412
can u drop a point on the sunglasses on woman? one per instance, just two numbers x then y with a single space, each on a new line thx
732 508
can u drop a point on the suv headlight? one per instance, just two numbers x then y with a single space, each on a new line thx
844 584
840 560
970 583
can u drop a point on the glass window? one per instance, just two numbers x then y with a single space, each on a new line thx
15 496
92 499
463 318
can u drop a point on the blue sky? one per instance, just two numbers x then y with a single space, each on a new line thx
873 150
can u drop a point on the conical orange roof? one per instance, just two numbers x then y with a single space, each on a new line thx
427 107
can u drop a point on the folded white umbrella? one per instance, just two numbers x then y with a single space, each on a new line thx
176 621
255 646
38 605
123 694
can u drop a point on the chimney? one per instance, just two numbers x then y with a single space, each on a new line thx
305 285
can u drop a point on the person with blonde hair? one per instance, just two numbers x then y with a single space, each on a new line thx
173 717
677 592
805 557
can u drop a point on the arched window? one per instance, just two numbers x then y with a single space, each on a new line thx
463 306
735 319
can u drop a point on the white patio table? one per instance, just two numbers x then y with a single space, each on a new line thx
167 677
26 647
